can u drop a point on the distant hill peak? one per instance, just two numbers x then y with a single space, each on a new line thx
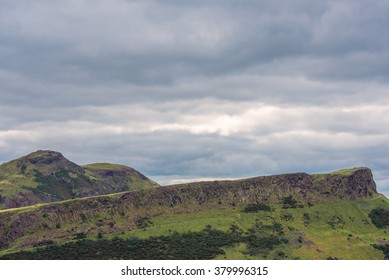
46 176
45 162
43 157
43 153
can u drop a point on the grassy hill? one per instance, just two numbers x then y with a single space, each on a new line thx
288 216
46 176
341 230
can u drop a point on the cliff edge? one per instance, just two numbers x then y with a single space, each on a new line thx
119 212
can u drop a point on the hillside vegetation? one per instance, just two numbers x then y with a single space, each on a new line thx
339 231
338 215
46 176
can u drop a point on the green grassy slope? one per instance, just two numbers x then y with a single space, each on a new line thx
114 175
341 230
46 176
294 216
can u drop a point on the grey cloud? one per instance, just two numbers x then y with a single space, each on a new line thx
182 87
273 89
152 43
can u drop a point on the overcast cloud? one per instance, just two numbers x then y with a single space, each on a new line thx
198 89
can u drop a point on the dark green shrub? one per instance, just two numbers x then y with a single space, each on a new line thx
307 219
250 208
143 222
287 217
205 244
336 222
80 235
236 233
281 254
289 202
278 228
379 217
384 248
262 244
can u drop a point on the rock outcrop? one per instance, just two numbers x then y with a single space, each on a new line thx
120 212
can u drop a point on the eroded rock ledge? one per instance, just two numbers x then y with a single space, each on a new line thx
122 211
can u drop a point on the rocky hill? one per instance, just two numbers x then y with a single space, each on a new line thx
47 176
349 184
122 212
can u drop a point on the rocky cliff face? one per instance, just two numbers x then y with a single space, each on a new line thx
121 212
47 176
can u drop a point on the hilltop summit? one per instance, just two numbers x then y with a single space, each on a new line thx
46 176
44 161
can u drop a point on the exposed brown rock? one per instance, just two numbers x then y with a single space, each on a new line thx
354 185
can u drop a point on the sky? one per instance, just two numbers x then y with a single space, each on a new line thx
193 90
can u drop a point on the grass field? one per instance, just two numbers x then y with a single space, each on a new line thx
341 230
